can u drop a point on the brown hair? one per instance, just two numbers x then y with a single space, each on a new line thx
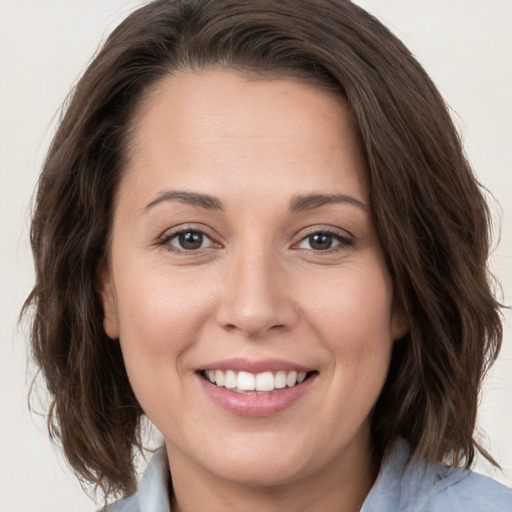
431 216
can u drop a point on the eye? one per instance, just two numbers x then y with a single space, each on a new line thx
324 241
188 240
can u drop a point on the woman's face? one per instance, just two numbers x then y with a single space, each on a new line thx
243 255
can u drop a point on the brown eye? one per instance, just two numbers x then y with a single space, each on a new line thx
320 241
325 241
190 240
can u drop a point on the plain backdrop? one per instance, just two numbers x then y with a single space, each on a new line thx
466 47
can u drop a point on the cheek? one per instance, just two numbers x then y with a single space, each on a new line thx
354 322
354 308
160 320
159 305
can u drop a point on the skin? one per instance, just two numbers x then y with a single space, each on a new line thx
257 288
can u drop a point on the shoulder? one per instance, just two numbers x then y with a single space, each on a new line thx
408 484
130 504
469 491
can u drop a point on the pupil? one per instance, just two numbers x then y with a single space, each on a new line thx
320 242
191 240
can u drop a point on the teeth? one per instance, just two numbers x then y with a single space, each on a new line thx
230 380
265 381
280 380
245 381
219 378
291 379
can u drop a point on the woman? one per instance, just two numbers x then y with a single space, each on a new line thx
256 227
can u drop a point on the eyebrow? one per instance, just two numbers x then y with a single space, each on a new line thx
309 202
202 200
298 204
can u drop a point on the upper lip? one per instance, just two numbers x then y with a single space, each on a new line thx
255 366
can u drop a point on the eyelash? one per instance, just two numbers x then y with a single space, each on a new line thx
165 240
344 241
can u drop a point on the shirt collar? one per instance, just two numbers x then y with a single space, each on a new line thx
405 482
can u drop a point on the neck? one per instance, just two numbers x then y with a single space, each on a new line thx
340 486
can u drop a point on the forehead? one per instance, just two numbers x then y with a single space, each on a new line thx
186 99
217 124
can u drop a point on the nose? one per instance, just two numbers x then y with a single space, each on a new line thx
255 298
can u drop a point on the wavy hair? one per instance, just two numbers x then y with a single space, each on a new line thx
427 206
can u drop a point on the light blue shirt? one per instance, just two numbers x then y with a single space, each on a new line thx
404 484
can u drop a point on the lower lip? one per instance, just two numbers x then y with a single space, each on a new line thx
255 405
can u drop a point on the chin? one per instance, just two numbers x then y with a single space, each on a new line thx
260 471
254 459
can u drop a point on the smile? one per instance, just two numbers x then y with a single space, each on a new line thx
255 389
247 382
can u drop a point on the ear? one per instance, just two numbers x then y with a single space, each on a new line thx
108 300
400 324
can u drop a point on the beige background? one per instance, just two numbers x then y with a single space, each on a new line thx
44 46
